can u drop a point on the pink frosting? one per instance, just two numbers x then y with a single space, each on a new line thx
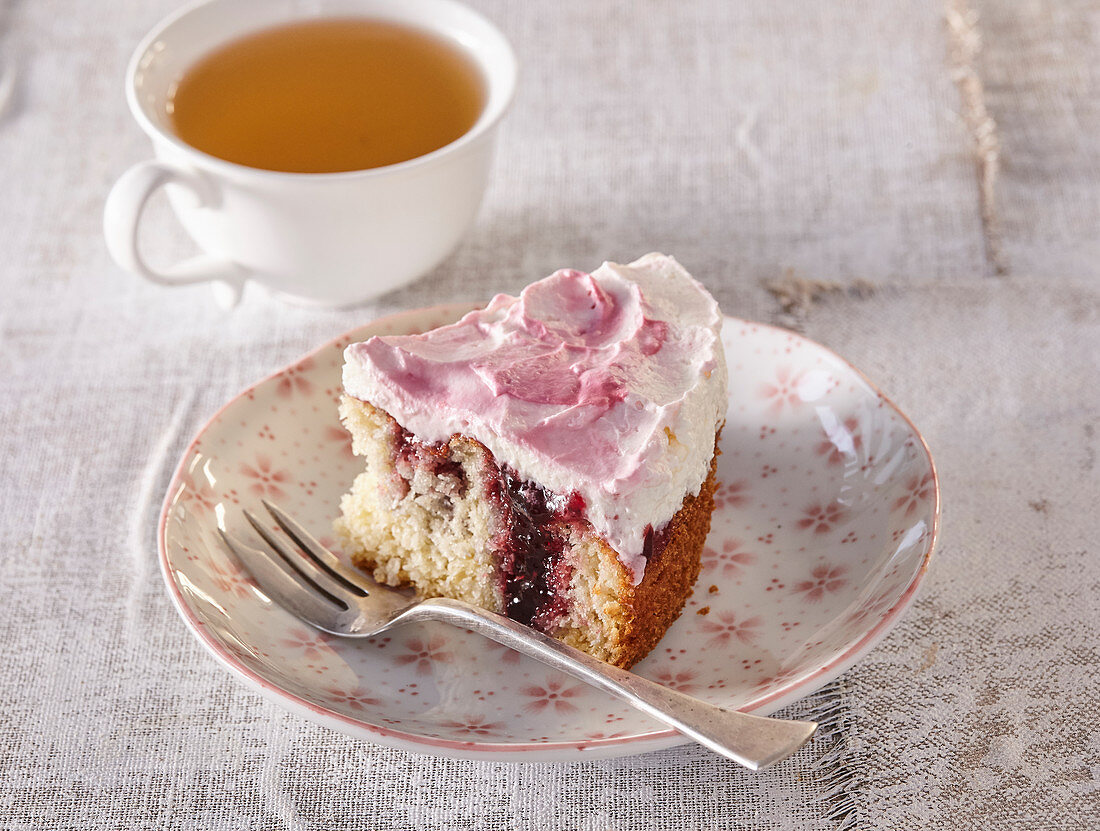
555 371
578 383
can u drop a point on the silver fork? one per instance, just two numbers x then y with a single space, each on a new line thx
317 587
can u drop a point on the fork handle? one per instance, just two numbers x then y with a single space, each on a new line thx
753 741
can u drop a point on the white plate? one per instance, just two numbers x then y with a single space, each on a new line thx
826 518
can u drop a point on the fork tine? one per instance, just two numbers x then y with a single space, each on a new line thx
315 577
358 583
283 586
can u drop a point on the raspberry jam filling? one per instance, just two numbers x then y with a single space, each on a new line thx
535 523
409 455
534 576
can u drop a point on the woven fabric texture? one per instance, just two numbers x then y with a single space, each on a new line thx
915 185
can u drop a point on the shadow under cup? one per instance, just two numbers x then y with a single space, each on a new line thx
329 239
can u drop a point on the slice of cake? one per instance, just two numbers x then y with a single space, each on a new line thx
550 456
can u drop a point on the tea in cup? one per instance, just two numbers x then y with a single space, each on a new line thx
329 151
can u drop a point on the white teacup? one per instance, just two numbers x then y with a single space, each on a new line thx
329 239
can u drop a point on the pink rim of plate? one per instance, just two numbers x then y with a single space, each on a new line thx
789 692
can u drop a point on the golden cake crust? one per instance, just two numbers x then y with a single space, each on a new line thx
670 575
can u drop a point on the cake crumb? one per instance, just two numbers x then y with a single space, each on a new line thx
929 657
797 294
704 611
713 590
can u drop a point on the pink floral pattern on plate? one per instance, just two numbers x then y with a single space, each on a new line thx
816 547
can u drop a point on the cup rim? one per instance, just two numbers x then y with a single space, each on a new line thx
488 119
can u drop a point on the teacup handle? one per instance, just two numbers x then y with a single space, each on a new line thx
122 214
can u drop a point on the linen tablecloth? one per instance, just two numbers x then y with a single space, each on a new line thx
916 185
